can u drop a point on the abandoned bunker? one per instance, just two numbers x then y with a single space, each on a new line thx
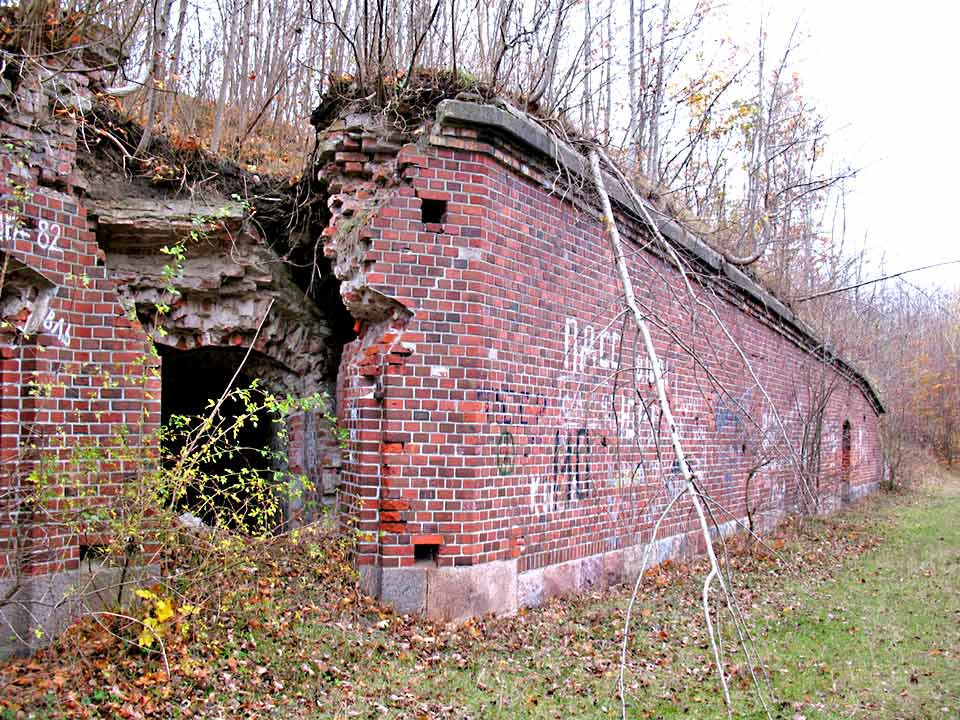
450 286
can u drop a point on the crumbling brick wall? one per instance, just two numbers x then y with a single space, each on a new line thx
74 366
82 270
505 442
234 293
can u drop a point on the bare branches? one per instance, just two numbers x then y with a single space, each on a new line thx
548 68
419 44
693 492
864 283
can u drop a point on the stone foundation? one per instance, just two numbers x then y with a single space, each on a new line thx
458 593
40 607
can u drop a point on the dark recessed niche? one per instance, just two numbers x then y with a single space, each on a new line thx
92 552
423 553
433 211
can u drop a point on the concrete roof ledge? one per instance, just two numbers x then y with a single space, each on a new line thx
509 120
147 222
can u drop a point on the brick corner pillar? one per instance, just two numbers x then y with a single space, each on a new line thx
418 476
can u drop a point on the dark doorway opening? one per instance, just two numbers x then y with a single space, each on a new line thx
314 274
845 449
230 489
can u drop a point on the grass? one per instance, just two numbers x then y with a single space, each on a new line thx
872 635
857 616
883 638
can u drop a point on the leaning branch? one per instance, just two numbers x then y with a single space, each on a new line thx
825 293
641 207
613 233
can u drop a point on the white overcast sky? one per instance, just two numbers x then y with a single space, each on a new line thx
886 77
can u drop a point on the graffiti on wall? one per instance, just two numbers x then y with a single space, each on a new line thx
532 423
528 423
593 429
568 479
586 348
47 237
506 449
551 437
57 326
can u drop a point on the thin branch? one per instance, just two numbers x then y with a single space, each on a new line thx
825 293
666 412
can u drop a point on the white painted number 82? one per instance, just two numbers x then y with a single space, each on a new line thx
48 234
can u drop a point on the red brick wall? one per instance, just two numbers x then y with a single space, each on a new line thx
88 371
486 411
503 429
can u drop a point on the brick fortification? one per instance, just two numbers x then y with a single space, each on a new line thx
74 365
81 271
505 441
505 445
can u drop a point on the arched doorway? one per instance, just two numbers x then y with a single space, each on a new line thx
229 490
845 448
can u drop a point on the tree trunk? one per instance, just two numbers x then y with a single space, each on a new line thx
228 67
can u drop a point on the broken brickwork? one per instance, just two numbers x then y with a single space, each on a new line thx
74 365
82 270
234 292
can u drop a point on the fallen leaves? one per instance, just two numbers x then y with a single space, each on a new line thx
288 635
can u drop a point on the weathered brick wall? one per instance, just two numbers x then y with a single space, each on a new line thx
234 293
508 416
84 367
504 440
80 262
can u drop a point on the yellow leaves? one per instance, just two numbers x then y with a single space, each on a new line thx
149 632
164 610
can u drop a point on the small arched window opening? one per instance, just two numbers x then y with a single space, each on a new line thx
846 442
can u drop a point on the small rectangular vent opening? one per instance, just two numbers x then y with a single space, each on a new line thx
424 554
433 212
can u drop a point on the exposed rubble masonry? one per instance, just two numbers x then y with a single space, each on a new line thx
230 282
